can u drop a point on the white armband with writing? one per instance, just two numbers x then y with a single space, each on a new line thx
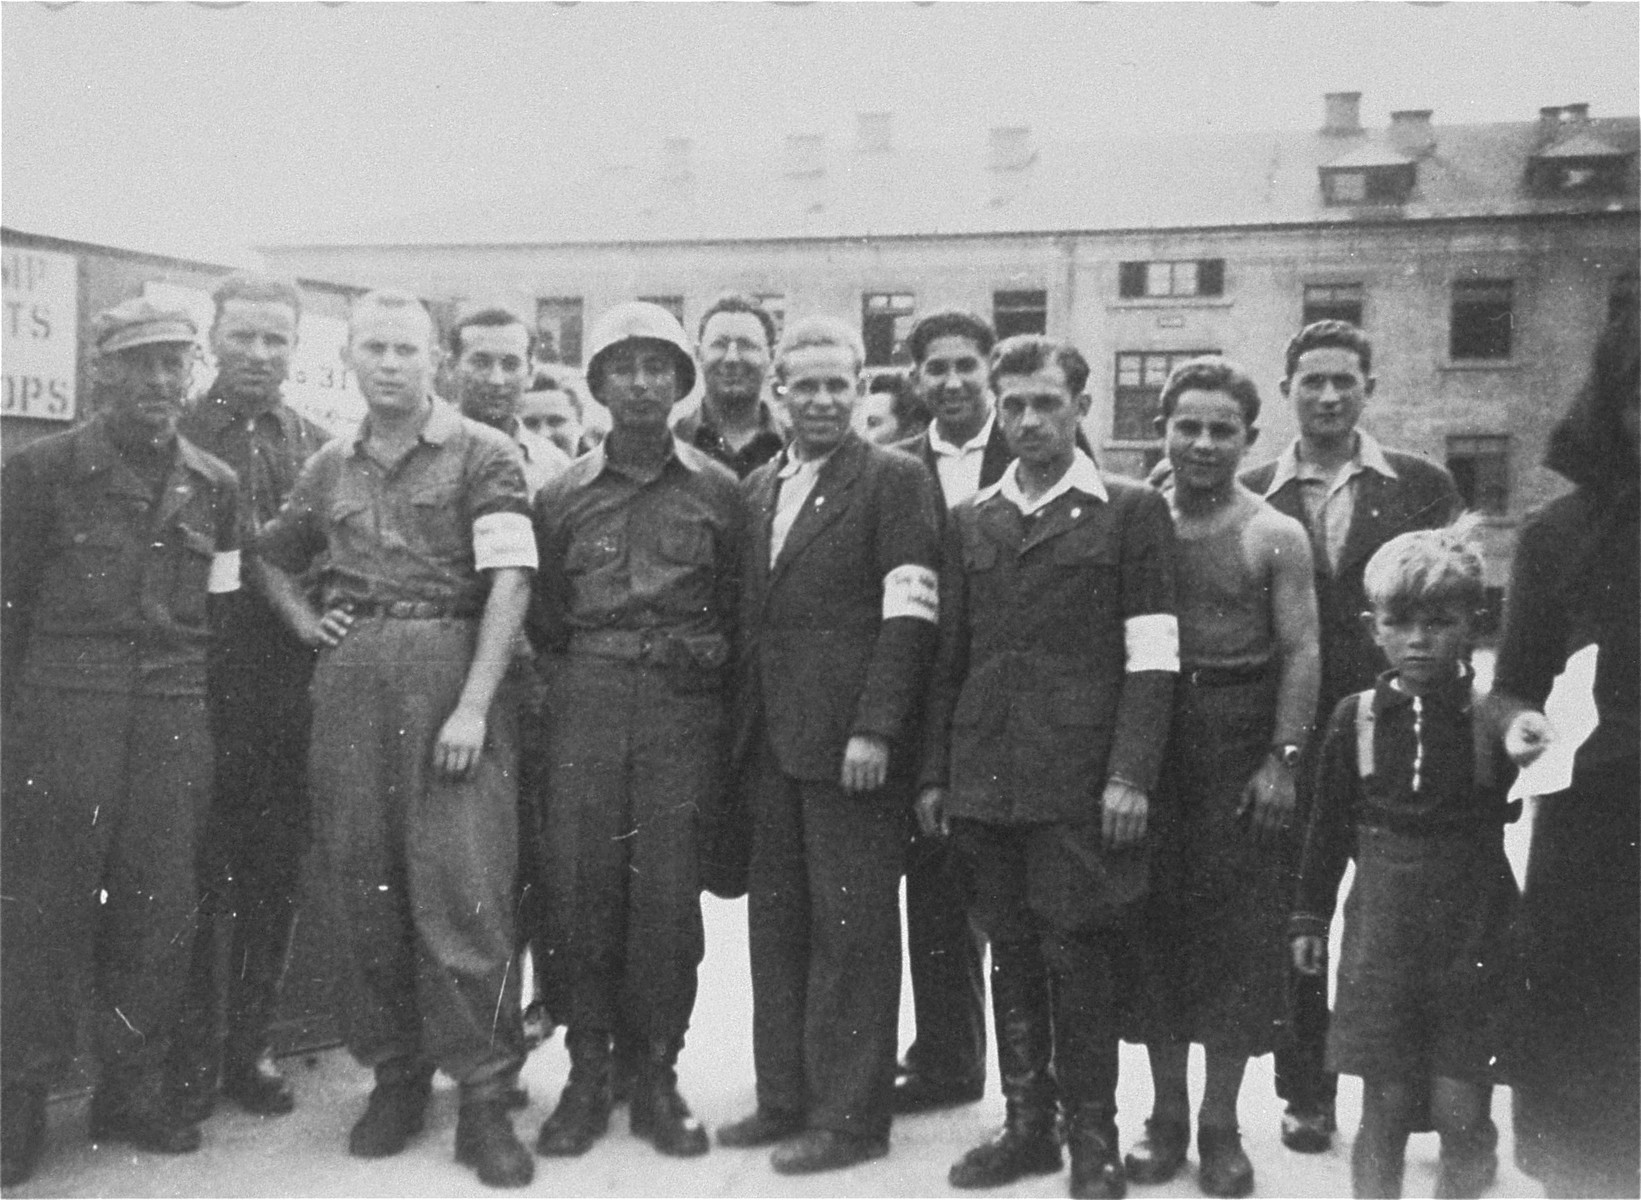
224 576
911 591
503 539
1151 643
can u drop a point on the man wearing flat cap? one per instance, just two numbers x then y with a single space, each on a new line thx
116 535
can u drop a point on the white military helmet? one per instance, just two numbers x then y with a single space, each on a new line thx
640 319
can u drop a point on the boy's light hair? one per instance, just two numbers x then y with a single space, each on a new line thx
1427 568
819 331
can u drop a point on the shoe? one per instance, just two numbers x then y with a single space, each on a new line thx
764 1127
257 1086
1096 1167
1017 1150
1160 1154
816 1150
392 1116
22 1133
918 1093
515 1098
1469 1164
583 1112
660 1116
193 1084
136 1115
1308 1130
486 1142
1224 1170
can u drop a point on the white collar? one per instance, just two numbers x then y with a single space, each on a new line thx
976 443
1082 476
1369 456
794 464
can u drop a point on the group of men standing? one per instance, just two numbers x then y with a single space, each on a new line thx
747 651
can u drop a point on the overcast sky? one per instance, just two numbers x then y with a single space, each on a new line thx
200 129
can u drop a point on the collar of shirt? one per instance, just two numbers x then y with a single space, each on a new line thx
97 451
1388 692
1369 456
975 445
441 423
791 464
1082 476
601 461
697 424
217 411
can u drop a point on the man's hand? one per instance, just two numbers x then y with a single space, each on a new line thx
461 741
865 763
318 632
1529 736
1269 796
1123 810
1310 954
931 812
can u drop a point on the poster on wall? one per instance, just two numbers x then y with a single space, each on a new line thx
42 334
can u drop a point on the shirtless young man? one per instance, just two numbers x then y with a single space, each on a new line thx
1249 672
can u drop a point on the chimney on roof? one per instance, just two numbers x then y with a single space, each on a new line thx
1410 132
1342 113
874 133
805 155
1575 114
675 159
1009 148
1549 124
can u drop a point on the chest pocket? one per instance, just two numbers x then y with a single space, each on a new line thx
438 523
1087 546
594 549
690 545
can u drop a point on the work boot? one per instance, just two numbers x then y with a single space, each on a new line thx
1096 1166
130 1105
394 1112
1223 1169
659 1114
486 1142
253 1082
764 1127
22 1132
1375 1175
1160 1154
583 1112
626 1064
1469 1162
1028 1143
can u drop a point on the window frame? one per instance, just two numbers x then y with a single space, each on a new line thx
1134 277
1008 305
1121 391
1480 464
900 317
1468 335
1334 304
571 313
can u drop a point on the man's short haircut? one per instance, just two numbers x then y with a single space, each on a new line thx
819 331
734 302
1427 568
1028 353
387 300
1211 373
949 322
491 316
547 381
257 288
1319 335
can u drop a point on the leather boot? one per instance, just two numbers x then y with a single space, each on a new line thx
253 1082
583 1112
22 1132
1096 1165
1028 1143
395 1111
1085 1058
1222 1167
131 1105
486 1142
659 1114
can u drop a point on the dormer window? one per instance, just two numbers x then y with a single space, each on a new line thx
1375 184
1580 165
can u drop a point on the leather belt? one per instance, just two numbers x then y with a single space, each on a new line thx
628 645
1209 677
411 610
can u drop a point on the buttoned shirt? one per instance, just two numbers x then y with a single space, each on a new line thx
698 430
423 529
104 578
1330 500
266 448
797 480
1082 476
959 466
624 549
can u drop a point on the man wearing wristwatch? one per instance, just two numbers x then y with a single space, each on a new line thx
1214 967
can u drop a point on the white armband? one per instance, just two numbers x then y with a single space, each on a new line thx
1151 643
912 591
224 576
503 539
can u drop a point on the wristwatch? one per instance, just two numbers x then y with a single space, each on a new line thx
1288 754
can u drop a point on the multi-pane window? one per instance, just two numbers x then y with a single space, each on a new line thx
885 320
1368 185
558 329
774 303
1185 277
1137 400
1019 312
1333 302
673 304
1483 316
1480 465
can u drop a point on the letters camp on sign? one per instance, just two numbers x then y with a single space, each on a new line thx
40 347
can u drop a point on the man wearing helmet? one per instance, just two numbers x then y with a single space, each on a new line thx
640 542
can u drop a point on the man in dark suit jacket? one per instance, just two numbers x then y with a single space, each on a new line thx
1353 496
838 626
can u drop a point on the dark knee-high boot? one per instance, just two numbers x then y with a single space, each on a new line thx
262 939
583 1112
1028 1143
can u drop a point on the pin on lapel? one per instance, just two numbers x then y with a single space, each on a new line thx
820 500
1075 513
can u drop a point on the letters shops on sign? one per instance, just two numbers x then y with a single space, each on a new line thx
42 333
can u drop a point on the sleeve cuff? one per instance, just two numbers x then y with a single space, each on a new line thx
1151 643
503 539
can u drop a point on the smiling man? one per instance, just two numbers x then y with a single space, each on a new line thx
838 612
734 424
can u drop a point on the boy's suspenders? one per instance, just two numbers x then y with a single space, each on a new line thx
1481 740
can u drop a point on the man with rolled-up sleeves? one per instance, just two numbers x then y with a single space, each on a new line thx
422 520
838 625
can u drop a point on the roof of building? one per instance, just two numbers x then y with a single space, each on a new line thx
1212 180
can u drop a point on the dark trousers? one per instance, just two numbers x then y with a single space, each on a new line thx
824 914
256 835
1302 1076
947 959
419 868
1080 964
630 761
104 795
